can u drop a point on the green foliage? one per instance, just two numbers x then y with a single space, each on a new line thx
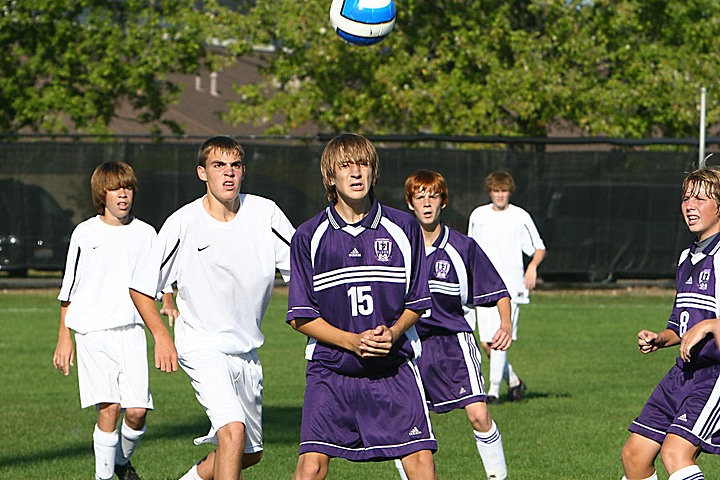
630 68
73 62
577 352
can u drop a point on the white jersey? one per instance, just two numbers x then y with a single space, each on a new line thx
224 272
504 236
101 260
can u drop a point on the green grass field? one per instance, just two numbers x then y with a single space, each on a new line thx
577 353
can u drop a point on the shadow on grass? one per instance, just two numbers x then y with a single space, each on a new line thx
281 425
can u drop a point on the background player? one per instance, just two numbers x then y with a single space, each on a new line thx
679 420
222 250
104 252
460 274
359 286
505 232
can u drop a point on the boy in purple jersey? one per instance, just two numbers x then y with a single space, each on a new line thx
359 286
460 277
680 419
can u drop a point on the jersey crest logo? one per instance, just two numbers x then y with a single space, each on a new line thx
442 269
383 249
354 253
415 432
703 279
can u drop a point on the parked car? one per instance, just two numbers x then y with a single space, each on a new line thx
34 230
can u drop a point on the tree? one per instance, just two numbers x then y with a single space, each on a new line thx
72 63
628 68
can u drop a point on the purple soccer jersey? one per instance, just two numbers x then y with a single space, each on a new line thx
357 277
686 402
697 299
459 274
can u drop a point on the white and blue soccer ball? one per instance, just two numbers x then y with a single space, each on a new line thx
362 22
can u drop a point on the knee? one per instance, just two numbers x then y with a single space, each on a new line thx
135 418
250 459
109 413
232 436
310 467
677 453
480 419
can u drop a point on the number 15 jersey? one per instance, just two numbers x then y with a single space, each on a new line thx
357 277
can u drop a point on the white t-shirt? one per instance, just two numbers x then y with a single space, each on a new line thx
505 235
101 260
224 272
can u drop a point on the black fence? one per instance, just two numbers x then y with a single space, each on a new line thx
603 214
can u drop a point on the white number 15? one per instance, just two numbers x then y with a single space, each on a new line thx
361 300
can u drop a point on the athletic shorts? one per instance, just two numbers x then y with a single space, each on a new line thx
113 367
365 418
450 370
685 403
488 321
230 389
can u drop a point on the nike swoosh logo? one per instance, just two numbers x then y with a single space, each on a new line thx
97 246
200 249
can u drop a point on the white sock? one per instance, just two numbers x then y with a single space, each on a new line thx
401 470
512 379
129 439
691 472
104 444
498 360
490 448
191 474
651 477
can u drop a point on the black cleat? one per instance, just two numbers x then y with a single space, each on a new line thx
126 472
515 393
492 399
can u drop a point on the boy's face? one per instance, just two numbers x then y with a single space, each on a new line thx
118 202
352 182
223 172
500 198
700 212
427 207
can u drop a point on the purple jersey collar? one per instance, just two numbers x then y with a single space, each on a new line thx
371 220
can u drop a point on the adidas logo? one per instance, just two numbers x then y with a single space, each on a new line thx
415 432
682 418
689 281
462 390
354 253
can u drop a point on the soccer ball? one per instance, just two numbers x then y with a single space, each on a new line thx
362 22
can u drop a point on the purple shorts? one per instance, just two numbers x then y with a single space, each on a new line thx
365 419
450 369
685 403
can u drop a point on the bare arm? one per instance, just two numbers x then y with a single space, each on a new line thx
64 356
370 343
649 342
503 337
169 309
693 336
165 353
531 270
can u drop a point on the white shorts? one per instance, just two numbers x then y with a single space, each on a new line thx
488 321
113 367
230 388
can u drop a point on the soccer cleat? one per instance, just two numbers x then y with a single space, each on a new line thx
516 393
126 472
492 399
